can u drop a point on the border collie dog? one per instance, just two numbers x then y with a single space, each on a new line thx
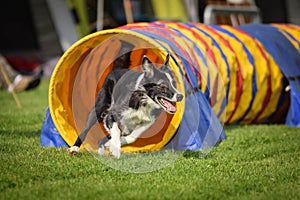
136 99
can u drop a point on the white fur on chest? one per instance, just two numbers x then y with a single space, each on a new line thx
132 118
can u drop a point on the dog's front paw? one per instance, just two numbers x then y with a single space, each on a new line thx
115 148
73 150
101 150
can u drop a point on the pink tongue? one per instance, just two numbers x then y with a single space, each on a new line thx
169 106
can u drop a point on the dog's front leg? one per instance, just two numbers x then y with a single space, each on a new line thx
134 135
115 143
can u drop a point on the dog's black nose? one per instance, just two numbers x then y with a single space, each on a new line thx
179 97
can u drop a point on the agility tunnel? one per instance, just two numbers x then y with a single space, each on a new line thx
228 75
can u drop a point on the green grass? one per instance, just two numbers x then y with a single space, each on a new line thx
255 162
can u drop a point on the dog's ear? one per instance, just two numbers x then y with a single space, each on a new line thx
148 67
166 66
167 59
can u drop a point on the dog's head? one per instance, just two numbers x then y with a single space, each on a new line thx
159 84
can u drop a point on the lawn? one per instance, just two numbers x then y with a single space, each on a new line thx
254 162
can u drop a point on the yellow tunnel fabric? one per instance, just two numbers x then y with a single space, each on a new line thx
75 82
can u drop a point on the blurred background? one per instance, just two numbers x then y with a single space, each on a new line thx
35 33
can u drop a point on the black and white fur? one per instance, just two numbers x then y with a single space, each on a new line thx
136 102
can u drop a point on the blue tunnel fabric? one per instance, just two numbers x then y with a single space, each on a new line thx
200 131
49 134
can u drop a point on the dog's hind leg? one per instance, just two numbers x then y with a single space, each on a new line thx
91 121
102 143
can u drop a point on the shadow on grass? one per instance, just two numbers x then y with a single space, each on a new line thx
21 133
197 154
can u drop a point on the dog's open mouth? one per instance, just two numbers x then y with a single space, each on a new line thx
169 106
